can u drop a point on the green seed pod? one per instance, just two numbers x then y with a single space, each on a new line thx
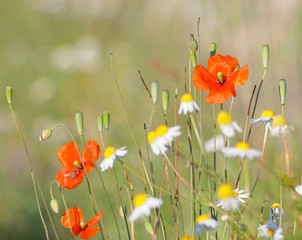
9 94
154 91
100 123
106 116
79 122
55 206
212 49
165 99
265 56
282 91
193 44
192 55
45 134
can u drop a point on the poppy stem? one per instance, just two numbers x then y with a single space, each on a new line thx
35 180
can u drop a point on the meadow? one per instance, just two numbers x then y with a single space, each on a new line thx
112 74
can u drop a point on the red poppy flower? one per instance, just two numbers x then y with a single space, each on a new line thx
73 172
220 78
77 224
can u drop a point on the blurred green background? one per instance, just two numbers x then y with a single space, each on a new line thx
56 56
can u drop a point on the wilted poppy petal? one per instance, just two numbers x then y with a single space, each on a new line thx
76 217
202 78
89 232
240 76
63 178
68 154
94 152
220 94
223 64
93 221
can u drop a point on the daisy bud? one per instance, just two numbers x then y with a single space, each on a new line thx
79 122
265 56
9 94
192 55
54 205
45 134
106 117
165 99
154 91
282 91
193 44
212 49
100 123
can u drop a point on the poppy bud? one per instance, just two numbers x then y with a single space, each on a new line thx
79 122
265 56
193 44
192 55
9 94
54 205
212 49
282 91
154 91
165 99
100 123
106 117
45 134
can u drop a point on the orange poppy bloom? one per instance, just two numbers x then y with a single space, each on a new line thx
73 172
220 78
77 224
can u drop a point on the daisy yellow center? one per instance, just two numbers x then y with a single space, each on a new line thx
140 199
109 151
202 217
186 238
161 130
243 146
151 137
279 121
224 118
225 191
275 205
270 232
267 113
187 98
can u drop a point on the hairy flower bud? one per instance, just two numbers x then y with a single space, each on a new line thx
193 43
165 99
212 49
106 117
79 122
45 134
282 91
100 123
154 91
54 205
192 55
265 56
9 94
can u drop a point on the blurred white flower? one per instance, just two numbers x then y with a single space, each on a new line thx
226 124
110 155
266 116
209 145
143 205
271 230
298 189
187 105
242 150
280 126
205 223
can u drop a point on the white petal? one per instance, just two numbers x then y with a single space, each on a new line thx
209 145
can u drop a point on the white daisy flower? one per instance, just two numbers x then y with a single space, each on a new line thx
143 205
205 223
110 155
229 197
209 145
160 139
227 126
271 230
266 117
298 189
242 150
276 212
280 126
187 105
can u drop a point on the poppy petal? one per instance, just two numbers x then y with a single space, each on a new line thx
89 232
67 154
94 152
240 76
202 78
76 216
223 64
93 221
220 94
63 178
